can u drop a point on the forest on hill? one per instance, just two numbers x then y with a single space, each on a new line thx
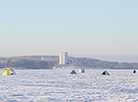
48 62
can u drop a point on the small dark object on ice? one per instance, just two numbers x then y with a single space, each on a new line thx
105 73
134 71
73 72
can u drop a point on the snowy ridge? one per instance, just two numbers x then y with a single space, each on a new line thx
60 86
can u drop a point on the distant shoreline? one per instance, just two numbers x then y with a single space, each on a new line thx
113 58
48 62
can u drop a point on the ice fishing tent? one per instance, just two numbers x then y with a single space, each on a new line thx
11 71
6 72
81 70
73 72
134 71
105 73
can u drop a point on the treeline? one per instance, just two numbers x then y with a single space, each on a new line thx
26 62
48 62
93 63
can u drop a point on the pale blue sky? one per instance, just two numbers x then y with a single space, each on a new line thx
80 27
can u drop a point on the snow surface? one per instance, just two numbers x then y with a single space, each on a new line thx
60 86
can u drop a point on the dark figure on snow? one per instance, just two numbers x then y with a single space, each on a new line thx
134 71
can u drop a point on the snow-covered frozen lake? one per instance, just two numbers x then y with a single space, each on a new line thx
60 86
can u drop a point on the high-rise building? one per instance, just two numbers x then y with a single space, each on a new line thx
63 58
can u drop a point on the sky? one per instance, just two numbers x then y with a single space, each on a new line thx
79 27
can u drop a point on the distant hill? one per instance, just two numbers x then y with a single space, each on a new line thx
48 62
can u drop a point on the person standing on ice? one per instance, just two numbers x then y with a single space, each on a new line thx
11 71
81 70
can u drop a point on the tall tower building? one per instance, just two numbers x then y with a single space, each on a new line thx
63 58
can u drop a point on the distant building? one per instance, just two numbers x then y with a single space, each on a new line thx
63 58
